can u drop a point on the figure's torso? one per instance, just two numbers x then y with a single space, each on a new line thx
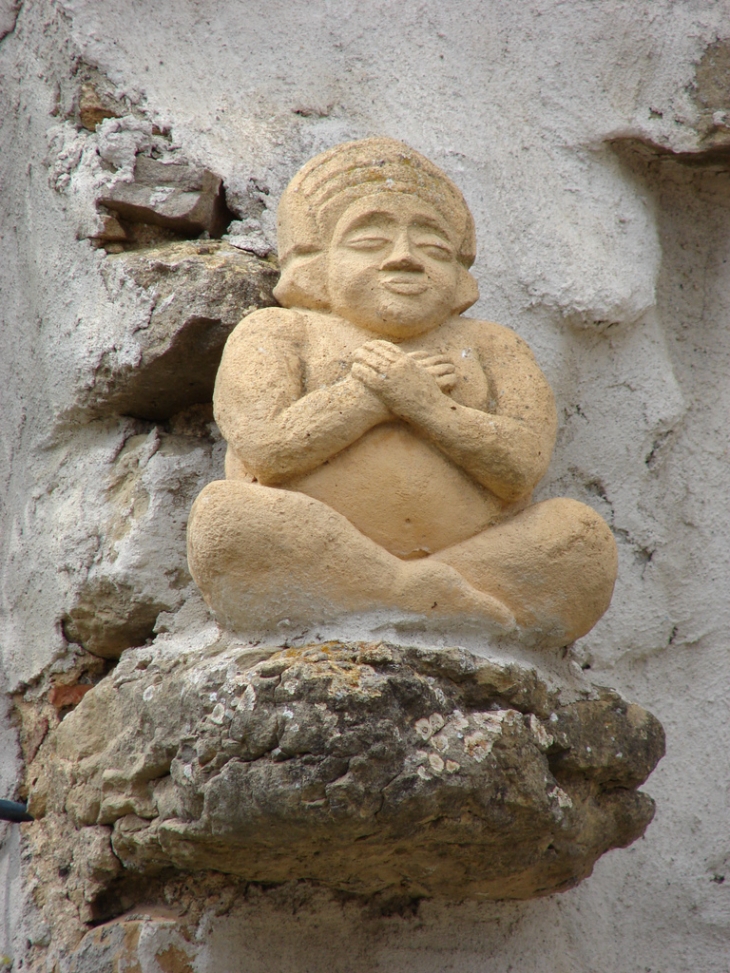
393 484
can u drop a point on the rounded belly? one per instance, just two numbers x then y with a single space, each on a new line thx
402 492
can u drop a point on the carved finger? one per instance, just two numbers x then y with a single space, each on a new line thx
374 359
367 375
366 354
429 360
386 348
446 382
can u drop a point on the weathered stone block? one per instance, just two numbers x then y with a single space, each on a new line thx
361 767
200 290
140 569
177 196
96 105
134 944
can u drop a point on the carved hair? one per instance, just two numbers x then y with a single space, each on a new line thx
322 190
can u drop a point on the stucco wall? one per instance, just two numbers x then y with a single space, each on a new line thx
590 140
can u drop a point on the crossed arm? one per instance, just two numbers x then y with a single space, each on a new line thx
280 431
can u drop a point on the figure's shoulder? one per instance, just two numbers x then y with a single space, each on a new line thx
277 323
495 340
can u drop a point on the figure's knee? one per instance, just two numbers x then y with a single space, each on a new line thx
238 528
211 511
566 525
216 519
583 561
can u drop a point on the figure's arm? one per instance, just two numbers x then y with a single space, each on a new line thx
277 430
508 450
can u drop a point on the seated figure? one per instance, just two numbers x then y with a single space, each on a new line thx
382 448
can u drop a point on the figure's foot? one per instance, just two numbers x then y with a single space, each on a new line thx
555 562
434 588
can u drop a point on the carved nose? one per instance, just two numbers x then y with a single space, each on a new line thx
402 258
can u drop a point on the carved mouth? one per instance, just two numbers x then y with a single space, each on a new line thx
401 285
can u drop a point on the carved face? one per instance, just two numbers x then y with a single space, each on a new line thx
392 266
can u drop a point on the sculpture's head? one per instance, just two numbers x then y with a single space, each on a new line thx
373 231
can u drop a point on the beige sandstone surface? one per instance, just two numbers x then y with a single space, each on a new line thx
416 436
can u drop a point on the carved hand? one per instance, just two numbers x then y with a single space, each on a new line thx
404 382
440 366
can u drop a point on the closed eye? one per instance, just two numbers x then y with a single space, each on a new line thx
369 242
441 251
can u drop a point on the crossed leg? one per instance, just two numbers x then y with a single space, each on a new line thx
261 555
554 565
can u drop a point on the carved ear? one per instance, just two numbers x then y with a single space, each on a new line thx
303 282
467 291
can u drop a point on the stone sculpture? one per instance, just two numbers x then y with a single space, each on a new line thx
382 448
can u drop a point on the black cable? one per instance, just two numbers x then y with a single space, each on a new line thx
14 811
